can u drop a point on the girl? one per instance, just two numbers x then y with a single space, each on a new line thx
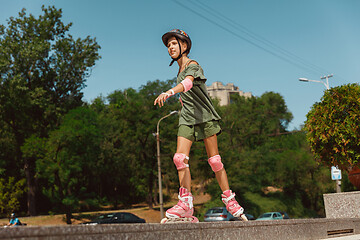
198 122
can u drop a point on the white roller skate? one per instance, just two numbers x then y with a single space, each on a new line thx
183 211
228 198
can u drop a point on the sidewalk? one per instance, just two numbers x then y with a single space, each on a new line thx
351 237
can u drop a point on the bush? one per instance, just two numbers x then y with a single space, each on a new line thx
10 192
333 127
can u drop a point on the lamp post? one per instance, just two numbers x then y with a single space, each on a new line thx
338 182
323 82
159 163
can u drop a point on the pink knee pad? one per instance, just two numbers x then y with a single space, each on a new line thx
179 161
215 163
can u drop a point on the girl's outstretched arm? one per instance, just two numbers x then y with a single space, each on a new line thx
165 95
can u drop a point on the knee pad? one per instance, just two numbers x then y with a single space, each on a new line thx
179 161
215 163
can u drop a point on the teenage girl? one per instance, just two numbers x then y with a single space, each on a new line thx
198 122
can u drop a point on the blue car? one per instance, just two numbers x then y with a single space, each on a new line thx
273 216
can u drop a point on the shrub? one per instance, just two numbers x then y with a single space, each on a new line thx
333 127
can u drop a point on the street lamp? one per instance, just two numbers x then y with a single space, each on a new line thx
159 163
338 182
323 82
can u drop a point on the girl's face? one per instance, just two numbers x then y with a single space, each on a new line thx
173 47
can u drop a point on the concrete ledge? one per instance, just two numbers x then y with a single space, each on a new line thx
259 230
342 205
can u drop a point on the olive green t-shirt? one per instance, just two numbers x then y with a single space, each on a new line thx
196 103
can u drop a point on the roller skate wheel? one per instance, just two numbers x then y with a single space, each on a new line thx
195 220
164 220
243 217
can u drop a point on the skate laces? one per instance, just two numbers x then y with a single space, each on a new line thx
230 201
230 198
186 200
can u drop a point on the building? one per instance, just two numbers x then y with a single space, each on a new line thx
223 93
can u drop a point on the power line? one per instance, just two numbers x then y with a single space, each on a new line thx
241 37
283 54
259 38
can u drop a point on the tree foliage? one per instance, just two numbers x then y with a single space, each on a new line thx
333 127
249 121
10 194
136 118
71 161
42 72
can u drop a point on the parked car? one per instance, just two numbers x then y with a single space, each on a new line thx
285 215
249 217
221 214
273 216
119 217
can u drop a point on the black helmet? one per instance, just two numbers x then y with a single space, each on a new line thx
178 34
13 215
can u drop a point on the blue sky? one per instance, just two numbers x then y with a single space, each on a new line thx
320 37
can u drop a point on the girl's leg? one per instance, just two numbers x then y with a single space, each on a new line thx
228 197
184 208
183 146
211 146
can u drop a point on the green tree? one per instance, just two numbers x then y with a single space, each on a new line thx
42 72
136 118
71 162
8 165
10 192
247 122
297 173
333 127
114 169
274 113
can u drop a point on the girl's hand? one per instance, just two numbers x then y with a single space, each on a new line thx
161 99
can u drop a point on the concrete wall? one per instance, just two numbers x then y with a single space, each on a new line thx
342 205
259 230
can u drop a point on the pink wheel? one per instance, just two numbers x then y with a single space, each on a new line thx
195 220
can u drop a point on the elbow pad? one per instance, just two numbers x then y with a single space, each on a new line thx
187 84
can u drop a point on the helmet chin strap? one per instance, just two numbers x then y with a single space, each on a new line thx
180 54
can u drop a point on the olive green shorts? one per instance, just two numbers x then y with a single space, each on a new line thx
200 131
